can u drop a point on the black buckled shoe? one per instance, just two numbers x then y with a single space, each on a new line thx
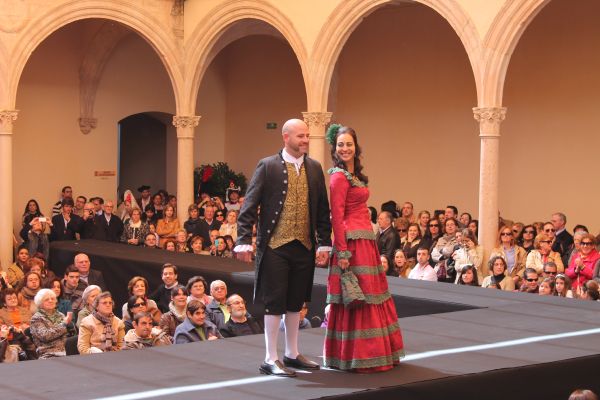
276 369
300 362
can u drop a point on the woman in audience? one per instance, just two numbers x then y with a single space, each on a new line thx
584 264
465 220
135 229
134 305
196 327
220 249
590 290
192 225
432 235
230 225
38 265
230 243
37 240
32 210
220 216
17 319
498 279
196 287
149 215
468 276
542 254
401 225
384 263
176 314
169 225
447 244
527 238
138 286
16 272
469 253
101 331
562 286
197 243
517 228
576 247
170 245
63 305
401 267
48 326
547 287
182 241
172 201
474 227
514 255
33 284
410 243
88 297
530 281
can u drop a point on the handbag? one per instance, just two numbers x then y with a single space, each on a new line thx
352 295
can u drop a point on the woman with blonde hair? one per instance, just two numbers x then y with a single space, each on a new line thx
543 253
514 255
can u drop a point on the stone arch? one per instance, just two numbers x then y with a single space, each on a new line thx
215 25
4 102
134 17
500 42
346 18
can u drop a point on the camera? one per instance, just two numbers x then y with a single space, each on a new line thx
42 219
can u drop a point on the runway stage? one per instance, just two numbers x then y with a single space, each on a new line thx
461 342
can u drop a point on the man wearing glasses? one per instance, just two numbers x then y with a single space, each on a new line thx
563 239
550 270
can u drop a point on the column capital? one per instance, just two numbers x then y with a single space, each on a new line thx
489 119
186 121
86 124
316 118
7 118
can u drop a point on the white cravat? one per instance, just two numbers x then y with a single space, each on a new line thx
287 157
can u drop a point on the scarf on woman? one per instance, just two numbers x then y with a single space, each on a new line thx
28 293
135 224
179 316
55 317
108 337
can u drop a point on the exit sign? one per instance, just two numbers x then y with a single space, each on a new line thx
271 125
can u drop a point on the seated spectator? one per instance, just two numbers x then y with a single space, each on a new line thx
233 199
530 281
468 253
590 290
241 322
550 270
547 287
384 263
134 305
196 327
63 305
498 278
181 244
64 226
422 270
143 334
527 238
135 230
89 296
230 243
410 243
192 225
38 265
514 255
150 217
209 224
86 273
517 228
583 394
229 227
213 235
220 216
432 235
16 272
468 276
464 220
220 249
109 227
101 331
37 240
584 264
33 284
49 327
304 322
218 313
169 245
32 211
17 319
474 227
577 236
162 294
562 286
423 220
447 244
198 246
543 253
73 288
98 203
138 286
8 353
196 287
157 206
167 227
401 267
151 241
172 201
176 314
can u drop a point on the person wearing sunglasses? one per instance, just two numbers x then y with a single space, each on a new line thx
530 281
514 255
527 237
585 263
543 253
432 235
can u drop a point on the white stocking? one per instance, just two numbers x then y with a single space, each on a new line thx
292 325
272 323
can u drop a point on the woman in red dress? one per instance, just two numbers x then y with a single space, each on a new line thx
364 338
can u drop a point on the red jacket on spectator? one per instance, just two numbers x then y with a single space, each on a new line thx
586 273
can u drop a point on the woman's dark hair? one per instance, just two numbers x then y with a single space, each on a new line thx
227 239
493 261
195 279
580 227
357 153
179 288
50 285
373 212
37 213
567 285
592 288
131 303
468 267
551 282
427 234
135 280
520 237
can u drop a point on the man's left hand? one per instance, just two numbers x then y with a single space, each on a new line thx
322 257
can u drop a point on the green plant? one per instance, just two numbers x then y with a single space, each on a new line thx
214 179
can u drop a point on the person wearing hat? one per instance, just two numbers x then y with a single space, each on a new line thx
145 199
66 224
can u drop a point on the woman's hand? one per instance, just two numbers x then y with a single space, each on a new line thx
343 264
69 317
212 337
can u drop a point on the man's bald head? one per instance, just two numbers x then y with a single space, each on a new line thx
295 137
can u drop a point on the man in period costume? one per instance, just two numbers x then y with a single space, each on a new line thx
289 188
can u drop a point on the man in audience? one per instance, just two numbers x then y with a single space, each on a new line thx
109 227
87 274
209 223
564 240
451 212
423 271
143 335
65 225
73 288
88 225
550 270
196 327
233 203
98 203
240 323
530 281
162 294
387 238
79 205
145 199
66 193
217 310
408 212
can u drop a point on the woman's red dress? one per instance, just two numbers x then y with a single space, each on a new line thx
366 338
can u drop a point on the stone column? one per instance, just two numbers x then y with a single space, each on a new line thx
7 118
185 161
489 119
317 121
